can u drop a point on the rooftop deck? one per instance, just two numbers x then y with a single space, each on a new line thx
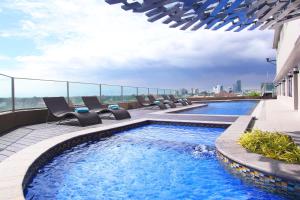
41 137
272 115
23 137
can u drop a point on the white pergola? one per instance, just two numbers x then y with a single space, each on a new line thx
236 15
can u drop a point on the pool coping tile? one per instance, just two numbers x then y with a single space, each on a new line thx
227 145
16 166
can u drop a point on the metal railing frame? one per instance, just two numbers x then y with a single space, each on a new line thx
13 86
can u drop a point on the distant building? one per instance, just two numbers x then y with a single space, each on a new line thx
237 87
192 91
267 89
183 92
218 89
224 94
205 93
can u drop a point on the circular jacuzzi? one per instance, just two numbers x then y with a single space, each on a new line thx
152 161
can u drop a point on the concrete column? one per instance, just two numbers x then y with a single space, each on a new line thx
283 91
295 90
286 84
279 89
293 86
290 85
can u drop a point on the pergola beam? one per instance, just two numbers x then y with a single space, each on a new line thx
215 14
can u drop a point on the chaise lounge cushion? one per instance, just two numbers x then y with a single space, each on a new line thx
95 105
82 110
59 108
114 107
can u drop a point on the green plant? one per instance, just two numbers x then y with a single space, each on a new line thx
272 145
253 94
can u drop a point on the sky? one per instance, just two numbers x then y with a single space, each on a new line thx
91 41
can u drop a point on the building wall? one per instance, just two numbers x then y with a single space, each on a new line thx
288 36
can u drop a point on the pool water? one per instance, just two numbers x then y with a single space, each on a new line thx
224 108
149 162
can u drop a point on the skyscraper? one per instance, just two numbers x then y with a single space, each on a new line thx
217 89
237 87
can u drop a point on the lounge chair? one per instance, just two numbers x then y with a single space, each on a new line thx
59 109
166 97
172 97
152 99
142 101
95 105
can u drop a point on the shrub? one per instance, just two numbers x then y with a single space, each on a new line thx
272 145
253 94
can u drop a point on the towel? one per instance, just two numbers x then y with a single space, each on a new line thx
157 102
82 110
114 107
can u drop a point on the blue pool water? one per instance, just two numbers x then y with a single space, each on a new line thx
149 162
224 108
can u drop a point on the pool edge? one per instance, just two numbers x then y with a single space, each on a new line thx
16 167
200 104
263 172
23 165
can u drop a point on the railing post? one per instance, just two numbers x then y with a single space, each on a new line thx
137 91
122 96
13 100
157 91
100 91
68 92
148 91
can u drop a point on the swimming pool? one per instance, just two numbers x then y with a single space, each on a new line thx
149 162
224 108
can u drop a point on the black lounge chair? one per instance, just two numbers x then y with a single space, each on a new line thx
166 97
59 109
142 101
152 99
95 105
172 97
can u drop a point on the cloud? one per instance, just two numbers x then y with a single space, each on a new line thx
94 42
4 58
91 34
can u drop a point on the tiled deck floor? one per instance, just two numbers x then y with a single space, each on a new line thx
275 116
20 138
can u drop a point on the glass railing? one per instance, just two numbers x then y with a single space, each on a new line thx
111 94
167 92
29 93
5 93
78 90
143 91
178 94
161 91
153 91
26 93
129 93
